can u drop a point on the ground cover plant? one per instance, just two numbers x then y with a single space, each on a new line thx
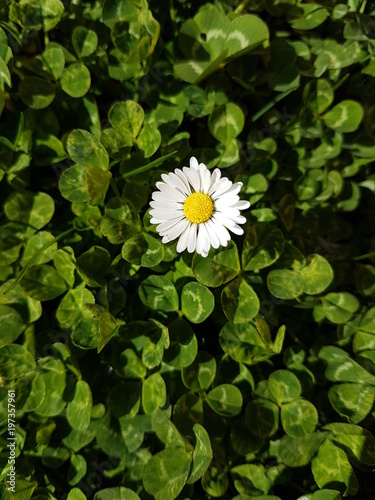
129 370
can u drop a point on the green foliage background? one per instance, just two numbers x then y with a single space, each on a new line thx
141 373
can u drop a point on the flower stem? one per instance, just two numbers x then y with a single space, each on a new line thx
363 7
270 105
365 256
115 188
241 7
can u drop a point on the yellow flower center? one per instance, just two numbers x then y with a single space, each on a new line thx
198 207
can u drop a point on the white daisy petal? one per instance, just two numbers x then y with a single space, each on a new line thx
166 205
166 179
166 214
228 211
228 198
179 173
205 240
231 191
175 182
241 205
240 219
183 240
222 233
222 186
229 221
236 188
197 207
171 194
222 206
165 239
177 229
192 238
214 239
193 178
205 178
236 229
194 163
166 225
225 221
215 177
169 190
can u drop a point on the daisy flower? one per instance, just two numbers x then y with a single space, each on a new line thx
198 207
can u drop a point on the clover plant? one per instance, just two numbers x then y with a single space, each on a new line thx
140 372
